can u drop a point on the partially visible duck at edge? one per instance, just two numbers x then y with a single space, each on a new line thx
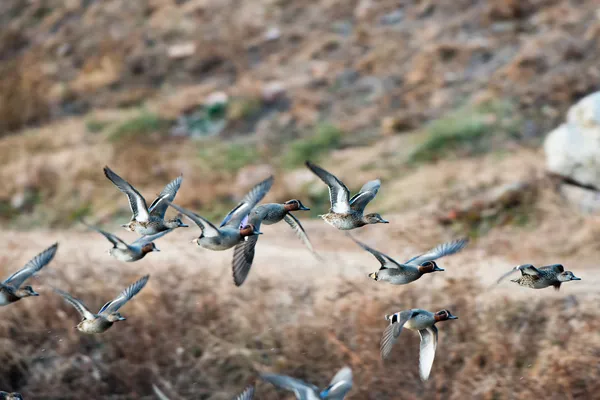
130 252
348 213
267 214
148 220
339 386
11 290
416 320
402 273
10 396
247 394
230 234
108 314
540 278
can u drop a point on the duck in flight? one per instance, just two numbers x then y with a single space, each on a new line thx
347 213
339 386
230 233
417 320
108 314
130 252
268 214
148 220
402 273
11 290
540 278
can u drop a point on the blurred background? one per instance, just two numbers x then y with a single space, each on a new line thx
481 118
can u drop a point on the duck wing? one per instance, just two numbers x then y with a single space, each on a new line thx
144 240
158 208
208 229
442 250
293 222
385 261
137 203
243 256
78 304
124 296
556 268
302 390
359 201
115 240
247 394
33 266
392 332
429 339
250 200
526 269
339 386
338 192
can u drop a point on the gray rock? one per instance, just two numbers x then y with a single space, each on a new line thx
573 149
587 201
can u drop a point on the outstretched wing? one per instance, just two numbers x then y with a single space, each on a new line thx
243 255
299 230
159 393
78 304
338 192
247 394
250 200
526 269
124 296
208 229
302 390
116 241
385 261
137 203
359 201
33 266
158 208
392 332
429 338
144 240
439 251
339 385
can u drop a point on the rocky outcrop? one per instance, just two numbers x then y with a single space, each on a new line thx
573 149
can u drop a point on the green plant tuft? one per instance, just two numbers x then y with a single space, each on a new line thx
326 138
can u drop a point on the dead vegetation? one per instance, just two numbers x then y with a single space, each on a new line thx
198 341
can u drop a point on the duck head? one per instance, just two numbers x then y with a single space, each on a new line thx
294 205
130 226
249 230
114 317
375 218
444 315
428 267
567 276
149 248
26 291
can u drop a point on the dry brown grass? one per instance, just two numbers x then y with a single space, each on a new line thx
197 339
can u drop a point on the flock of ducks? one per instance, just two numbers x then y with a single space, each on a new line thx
240 229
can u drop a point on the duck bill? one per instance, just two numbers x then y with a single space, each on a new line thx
156 249
257 232
34 293
303 208
122 318
453 317
574 278
373 275
438 269
384 221
184 226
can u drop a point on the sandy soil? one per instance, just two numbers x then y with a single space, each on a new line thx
282 260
